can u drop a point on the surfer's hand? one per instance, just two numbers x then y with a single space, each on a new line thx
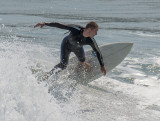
87 66
40 24
103 70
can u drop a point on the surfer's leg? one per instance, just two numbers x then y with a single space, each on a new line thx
54 71
57 68
65 52
80 54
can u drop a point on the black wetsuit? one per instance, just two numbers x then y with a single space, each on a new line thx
74 43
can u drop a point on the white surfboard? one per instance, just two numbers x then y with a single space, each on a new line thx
113 54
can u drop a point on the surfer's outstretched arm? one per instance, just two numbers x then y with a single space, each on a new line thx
58 25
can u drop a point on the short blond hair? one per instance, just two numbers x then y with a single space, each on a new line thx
91 25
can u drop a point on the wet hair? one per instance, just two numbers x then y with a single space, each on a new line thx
91 25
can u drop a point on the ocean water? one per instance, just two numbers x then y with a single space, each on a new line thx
130 92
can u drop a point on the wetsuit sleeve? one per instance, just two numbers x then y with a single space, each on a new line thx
60 25
98 52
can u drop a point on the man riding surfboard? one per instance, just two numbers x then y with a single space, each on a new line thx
74 42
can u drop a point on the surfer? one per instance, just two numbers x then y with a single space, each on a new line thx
74 42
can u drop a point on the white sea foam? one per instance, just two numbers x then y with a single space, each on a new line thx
145 82
21 97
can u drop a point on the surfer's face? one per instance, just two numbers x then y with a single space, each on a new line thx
93 32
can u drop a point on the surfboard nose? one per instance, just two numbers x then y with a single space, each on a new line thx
130 44
127 44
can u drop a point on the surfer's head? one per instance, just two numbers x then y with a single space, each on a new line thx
90 30
91 25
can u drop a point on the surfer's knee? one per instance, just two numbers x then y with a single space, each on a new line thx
80 55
